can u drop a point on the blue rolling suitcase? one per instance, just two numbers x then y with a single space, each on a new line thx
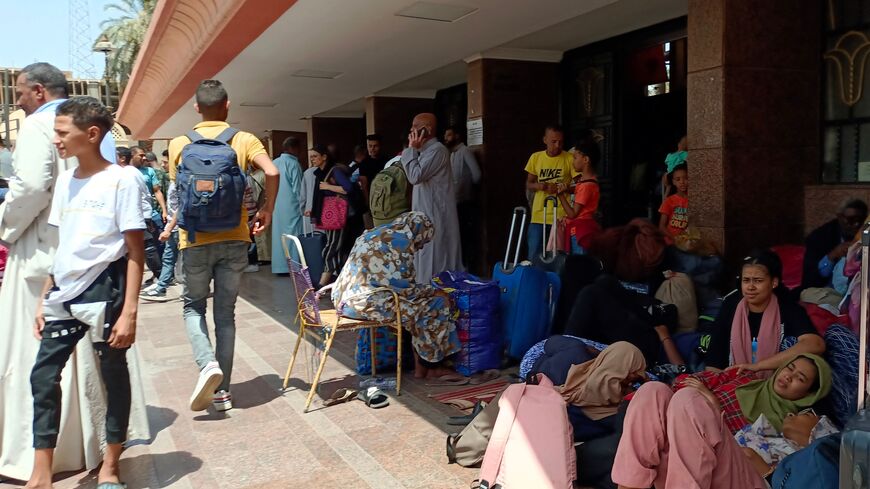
528 296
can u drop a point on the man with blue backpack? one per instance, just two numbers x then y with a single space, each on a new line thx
208 166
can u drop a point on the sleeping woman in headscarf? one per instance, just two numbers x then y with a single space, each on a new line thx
686 439
594 389
384 257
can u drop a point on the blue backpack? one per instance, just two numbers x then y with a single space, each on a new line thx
816 466
211 185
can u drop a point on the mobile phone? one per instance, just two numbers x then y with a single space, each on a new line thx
422 132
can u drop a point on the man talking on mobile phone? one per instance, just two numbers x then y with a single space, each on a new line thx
427 164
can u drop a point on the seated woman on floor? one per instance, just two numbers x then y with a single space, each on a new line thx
686 439
594 389
750 327
606 312
384 257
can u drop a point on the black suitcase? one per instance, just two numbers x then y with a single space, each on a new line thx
574 271
855 445
307 251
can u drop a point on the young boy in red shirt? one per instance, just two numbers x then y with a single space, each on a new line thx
581 213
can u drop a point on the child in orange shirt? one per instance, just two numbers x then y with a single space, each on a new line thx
581 213
675 209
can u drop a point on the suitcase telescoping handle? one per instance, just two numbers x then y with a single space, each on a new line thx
549 257
862 345
521 213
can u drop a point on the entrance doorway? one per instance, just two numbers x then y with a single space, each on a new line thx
629 92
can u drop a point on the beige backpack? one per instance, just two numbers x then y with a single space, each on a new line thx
679 290
467 447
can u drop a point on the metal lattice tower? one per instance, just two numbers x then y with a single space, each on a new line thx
80 40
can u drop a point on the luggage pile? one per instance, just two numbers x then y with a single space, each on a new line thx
528 295
477 302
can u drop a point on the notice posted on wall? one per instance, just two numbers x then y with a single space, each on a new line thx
474 131
864 171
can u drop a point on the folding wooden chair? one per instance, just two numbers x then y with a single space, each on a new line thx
323 325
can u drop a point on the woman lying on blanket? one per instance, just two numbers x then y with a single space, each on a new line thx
594 389
686 439
384 258
751 325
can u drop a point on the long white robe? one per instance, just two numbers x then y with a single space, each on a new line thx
430 173
32 243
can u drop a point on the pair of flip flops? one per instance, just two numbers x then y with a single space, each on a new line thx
111 485
372 396
341 396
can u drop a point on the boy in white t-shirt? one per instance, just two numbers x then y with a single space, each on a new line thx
94 284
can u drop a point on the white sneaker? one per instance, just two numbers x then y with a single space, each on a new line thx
209 378
222 401
252 268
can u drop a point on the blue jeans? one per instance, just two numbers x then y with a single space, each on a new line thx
170 256
576 249
224 262
536 239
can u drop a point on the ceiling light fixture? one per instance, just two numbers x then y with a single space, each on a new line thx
322 74
259 104
438 12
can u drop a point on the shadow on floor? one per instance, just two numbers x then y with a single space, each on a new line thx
248 394
159 418
275 297
173 467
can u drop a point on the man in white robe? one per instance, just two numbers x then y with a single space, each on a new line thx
427 165
32 242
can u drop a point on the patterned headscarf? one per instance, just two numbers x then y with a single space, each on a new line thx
416 226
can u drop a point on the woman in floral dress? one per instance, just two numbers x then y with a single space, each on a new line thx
384 257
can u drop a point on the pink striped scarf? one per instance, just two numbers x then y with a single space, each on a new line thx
769 334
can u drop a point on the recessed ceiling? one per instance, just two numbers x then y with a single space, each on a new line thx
326 75
258 104
367 50
436 11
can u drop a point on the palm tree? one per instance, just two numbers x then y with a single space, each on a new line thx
126 32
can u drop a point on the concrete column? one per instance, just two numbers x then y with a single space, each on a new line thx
391 116
515 100
753 119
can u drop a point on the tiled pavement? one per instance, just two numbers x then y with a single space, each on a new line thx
266 441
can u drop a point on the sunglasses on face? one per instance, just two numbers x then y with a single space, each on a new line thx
804 412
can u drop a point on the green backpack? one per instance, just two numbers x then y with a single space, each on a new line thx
388 195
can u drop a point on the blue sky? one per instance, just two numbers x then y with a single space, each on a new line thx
24 45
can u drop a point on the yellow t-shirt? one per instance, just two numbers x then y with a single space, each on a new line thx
247 147
548 169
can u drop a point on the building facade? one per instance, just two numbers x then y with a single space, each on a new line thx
773 110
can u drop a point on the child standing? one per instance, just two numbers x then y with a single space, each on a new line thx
672 160
581 213
93 288
675 209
